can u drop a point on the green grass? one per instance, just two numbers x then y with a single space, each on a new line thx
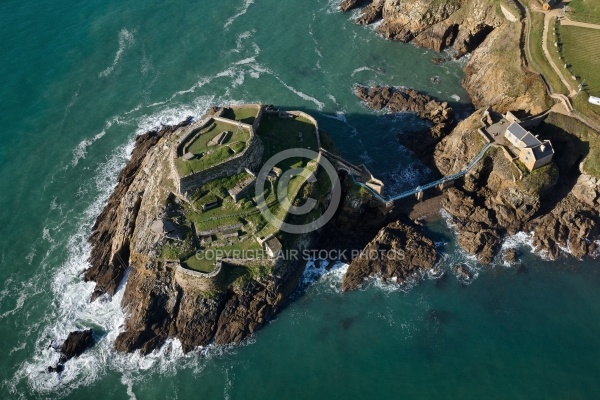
581 103
540 180
247 115
277 135
581 50
536 53
588 143
282 133
585 11
198 264
218 154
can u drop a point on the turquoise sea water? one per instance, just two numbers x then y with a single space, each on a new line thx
81 79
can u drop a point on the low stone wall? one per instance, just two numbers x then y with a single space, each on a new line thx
250 158
198 274
259 112
193 130
274 263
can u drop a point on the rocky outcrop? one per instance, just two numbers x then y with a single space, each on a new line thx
495 76
163 304
573 225
114 226
476 230
558 203
76 343
348 5
395 99
438 25
398 252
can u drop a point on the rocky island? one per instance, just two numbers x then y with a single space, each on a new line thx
189 190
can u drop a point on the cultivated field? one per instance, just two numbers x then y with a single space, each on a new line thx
581 50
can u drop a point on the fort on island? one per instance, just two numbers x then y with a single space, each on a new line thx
214 208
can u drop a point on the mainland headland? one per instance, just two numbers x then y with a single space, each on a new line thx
522 162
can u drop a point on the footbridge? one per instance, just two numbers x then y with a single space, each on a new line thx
417 191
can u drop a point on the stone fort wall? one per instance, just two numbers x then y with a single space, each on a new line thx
250 158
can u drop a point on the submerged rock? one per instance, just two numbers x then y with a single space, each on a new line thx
462 273
58 369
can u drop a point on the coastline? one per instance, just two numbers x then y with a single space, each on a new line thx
428 210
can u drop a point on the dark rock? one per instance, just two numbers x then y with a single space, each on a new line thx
371 13
58 369
347 323
394 100
348 5
398 251
510 255
77 342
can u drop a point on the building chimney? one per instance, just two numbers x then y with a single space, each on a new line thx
543 147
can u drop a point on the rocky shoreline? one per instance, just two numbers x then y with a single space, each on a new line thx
485 207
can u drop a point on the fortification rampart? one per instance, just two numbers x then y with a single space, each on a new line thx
250 158
298 114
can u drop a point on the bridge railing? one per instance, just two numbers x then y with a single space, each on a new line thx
430 185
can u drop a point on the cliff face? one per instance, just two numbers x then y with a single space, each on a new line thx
460 24
113 229
495 76
163 303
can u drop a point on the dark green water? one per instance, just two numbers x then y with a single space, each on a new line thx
81 79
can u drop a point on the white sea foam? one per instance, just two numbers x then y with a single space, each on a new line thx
126 40
300 94
73 309
81 150
361 69
241 11
321 271
332 6
455 97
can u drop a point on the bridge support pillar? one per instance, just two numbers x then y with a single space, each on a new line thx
419 196
445 185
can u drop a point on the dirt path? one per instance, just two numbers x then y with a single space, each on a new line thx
580 24
548 17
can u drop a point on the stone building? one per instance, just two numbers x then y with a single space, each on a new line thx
531 151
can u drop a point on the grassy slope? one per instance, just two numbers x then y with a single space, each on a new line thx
538 59
588 142
585 11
